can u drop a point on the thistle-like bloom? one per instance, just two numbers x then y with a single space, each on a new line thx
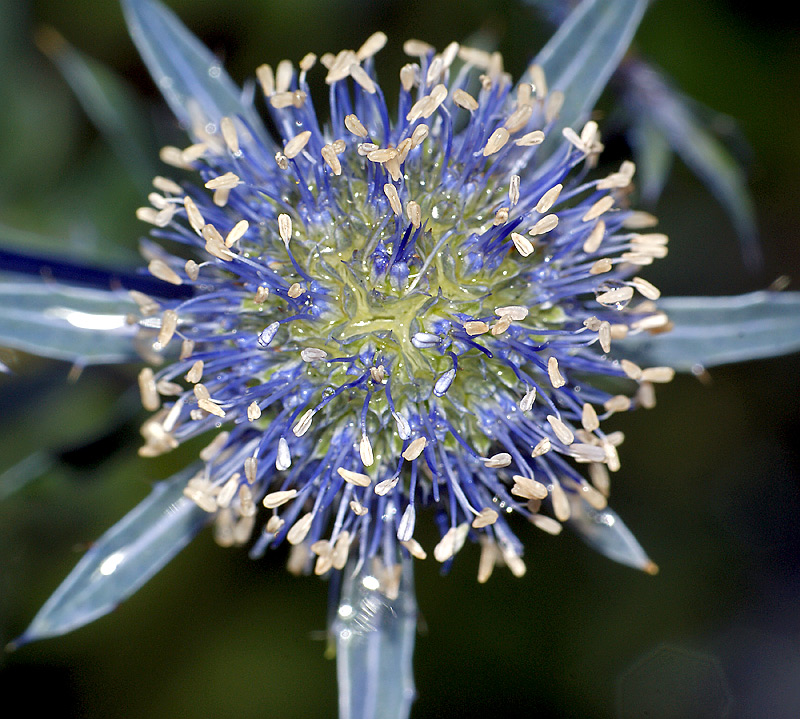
398 309
424 301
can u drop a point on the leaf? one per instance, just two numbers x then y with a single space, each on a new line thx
191 78
64 322
375 637
711 331
122 560
109 103
653 156
649 95
585 50
605 532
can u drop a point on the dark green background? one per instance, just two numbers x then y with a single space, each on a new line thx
710 478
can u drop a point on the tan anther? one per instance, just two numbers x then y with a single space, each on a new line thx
147 390
283 76
414 213
361 76
215 245
553 372
373 44
285 227
631 369
415 549
603 205
340 68
253 411
486 517
562 432
192 270
281 161
497 140
519 118
296 145
646 395
329 155
417 48
531 138
546 524
355 478
276 499
604 336
528 488
194 152
418 135
387 485
543 446
408 76
522 244
658 374
595 237
173 156
169 323
295 290
365 451
500 217
394 199
162 271
195 373
501 326
414 449
617 403
282 100
513 190
515 312
227 181
353 124
475 327
639 221
465 100
237 232
601 266
496 461
266 79
646 289
589 418
615 296
300 529
187 348
164 184
474 56
304 423
548 199
546 224
229 134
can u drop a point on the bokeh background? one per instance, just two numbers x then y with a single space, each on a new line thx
710 481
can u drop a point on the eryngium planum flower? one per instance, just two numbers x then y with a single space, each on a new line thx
410 304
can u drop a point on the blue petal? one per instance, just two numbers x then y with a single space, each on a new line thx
711 331
122 560
580 58
79 325
374 646
606 533
649 95
192 80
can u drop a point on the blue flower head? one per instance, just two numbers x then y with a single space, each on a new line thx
425 299
396 309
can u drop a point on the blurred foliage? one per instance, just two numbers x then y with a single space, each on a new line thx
710 479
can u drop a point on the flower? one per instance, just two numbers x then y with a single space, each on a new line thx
386 314
381 316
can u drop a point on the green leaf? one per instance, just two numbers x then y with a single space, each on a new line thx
711 331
